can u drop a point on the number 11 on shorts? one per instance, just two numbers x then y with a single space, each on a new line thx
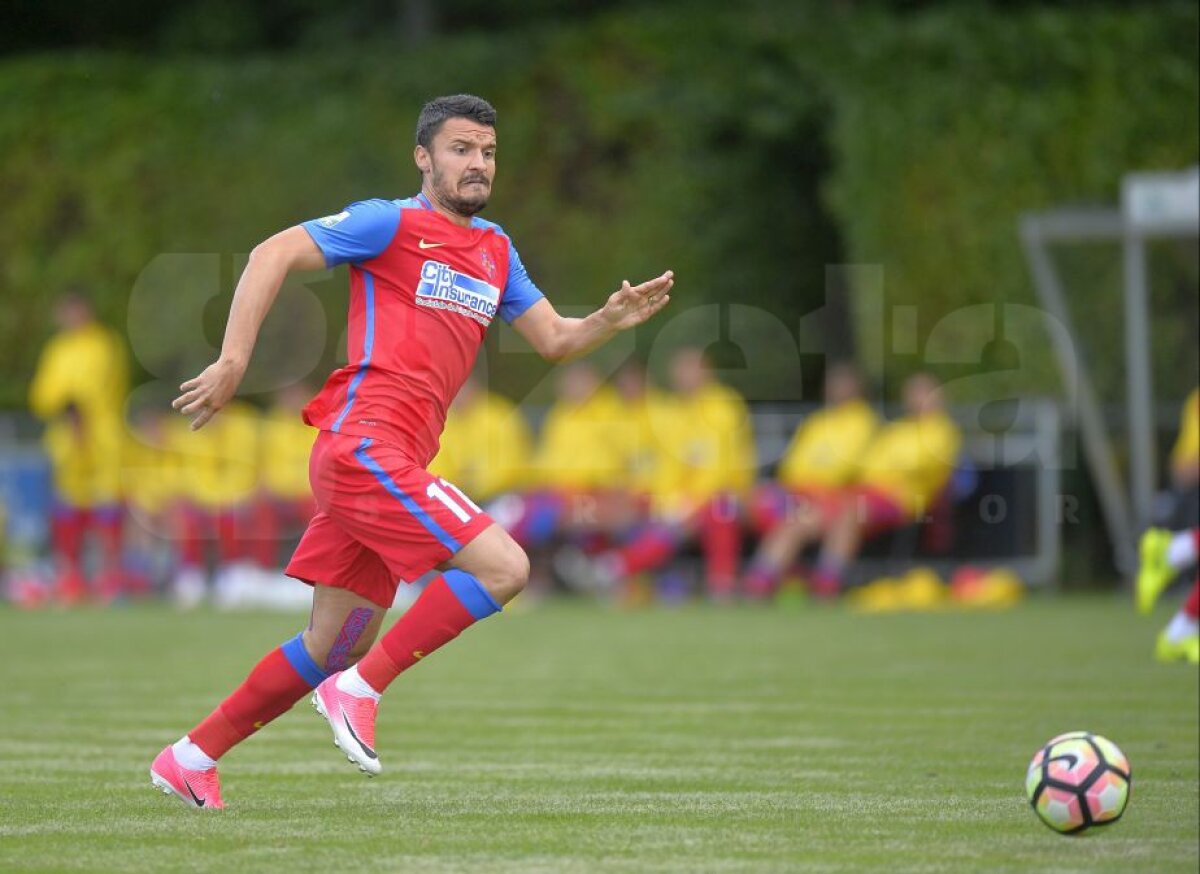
437 492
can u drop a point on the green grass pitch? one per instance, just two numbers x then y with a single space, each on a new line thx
574 738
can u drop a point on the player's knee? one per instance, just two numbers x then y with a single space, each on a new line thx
509 574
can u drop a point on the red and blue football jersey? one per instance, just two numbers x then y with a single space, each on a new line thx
423 291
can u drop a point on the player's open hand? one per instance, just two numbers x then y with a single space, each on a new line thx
203 396
633 304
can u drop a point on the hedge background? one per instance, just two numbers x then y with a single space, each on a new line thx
746 149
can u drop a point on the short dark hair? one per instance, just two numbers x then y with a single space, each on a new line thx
436 111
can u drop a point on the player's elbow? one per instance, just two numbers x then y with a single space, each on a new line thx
268 252
554 349
558 343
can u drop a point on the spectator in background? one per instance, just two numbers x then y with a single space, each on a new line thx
708 467
284 503
150 484
219 470
573 464
79 390
486 444
643 415
821 460
903 471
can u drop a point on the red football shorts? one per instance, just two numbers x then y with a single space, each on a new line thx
876 510
773 503
381 519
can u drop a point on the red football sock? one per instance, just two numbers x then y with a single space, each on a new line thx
229 545
1191 607
108 524
277 682
648 550
722 544
191 538
265 528
449 604
66 536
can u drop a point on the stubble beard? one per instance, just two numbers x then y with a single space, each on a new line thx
451 199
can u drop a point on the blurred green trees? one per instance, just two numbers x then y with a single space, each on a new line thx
746 149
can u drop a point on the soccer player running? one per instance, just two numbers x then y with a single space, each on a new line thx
427 276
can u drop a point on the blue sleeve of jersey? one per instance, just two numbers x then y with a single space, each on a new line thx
519 291
359 232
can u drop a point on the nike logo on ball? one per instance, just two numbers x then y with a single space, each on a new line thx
423 245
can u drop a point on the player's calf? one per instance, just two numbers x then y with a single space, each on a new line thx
349 700
337 638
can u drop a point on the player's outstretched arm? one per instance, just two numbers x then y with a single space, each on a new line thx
557 338
269 263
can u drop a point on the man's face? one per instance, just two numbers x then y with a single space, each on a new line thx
71 314
689 372
577 383
459 164
922 395
630 382
841 385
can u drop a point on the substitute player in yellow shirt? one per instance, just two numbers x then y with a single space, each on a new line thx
486 444
903 470
574 464
220 470
637 435
709 462
151 483
823 455
79 390
284 503
822 459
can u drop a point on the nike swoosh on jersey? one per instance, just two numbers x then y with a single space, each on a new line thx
421 244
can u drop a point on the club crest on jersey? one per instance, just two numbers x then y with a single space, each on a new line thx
488 262
330 220
443 287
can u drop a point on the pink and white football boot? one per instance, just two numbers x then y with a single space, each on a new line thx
352 719
193 788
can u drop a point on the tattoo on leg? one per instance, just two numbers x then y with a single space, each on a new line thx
352 629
